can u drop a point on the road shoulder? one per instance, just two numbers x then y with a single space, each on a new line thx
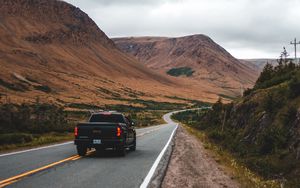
193 166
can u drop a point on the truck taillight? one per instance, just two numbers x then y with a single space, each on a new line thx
119 131
76 131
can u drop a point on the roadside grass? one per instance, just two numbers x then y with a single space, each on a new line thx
241 173
148 118
234 163
34 125
260 131
38 140
195 103
14 86
25 140
82 106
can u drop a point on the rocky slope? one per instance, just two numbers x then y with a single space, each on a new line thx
207 60
53 50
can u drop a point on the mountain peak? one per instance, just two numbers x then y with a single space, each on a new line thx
197 53
53 21
53 49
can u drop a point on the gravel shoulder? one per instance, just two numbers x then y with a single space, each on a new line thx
193 166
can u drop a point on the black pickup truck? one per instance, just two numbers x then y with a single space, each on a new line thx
105 130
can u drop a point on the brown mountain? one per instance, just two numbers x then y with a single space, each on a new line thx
201 56
52 50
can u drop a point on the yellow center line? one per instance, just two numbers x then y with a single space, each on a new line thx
16 178
13 179
76 158
6 184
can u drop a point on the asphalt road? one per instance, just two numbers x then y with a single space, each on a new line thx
67 169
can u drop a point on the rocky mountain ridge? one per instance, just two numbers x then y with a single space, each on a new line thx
208 60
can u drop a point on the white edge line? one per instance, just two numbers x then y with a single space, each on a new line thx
151 172
34 149
155 164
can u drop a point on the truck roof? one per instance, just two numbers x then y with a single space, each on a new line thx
107 112
107 116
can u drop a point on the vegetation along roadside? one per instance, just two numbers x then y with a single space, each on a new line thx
38 123
261 130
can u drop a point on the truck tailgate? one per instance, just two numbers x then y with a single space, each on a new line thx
97 130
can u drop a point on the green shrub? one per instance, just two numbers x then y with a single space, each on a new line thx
14 86
187 71
247 92
268 144
271 102
261 128
83 106
294 87
218 106
32 118
266 74
271 76
288 116
15 138
43 88
216 135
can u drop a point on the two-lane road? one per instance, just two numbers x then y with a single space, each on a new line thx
59 166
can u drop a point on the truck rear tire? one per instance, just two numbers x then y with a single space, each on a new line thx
133 147
81 150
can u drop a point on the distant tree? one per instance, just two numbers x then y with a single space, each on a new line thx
294 87
284 54
247 92
291 66
218 106
266 74
289 116
268 103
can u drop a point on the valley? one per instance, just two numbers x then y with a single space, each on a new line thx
237 120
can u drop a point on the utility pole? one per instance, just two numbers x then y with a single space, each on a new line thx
295 43
242 90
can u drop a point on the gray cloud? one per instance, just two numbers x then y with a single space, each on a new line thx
246 28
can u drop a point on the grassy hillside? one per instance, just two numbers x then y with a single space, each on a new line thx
55 51
261 129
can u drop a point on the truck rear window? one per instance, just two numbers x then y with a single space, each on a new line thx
114 118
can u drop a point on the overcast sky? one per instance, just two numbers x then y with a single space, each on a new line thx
245 28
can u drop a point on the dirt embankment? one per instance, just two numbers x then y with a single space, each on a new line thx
192 166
